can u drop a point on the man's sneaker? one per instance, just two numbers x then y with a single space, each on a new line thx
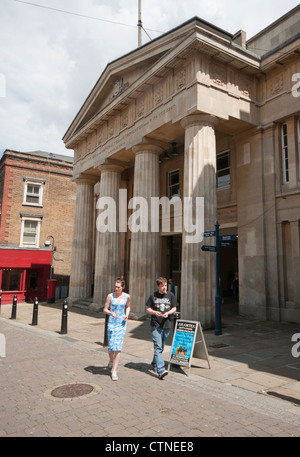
114 376
162 374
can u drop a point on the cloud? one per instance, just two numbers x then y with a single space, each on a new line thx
50 60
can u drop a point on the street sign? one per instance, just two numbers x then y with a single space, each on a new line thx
209 248
185 345
225 244
210 233
221 241
227 238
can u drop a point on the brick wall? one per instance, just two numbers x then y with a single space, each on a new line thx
58 204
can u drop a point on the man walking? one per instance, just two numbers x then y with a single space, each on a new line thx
160 305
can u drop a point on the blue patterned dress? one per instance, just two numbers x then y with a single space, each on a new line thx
116 328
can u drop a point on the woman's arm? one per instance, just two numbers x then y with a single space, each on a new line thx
127 311
106 306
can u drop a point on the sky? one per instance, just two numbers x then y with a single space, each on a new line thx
52 52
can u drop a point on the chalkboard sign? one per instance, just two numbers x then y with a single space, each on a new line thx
184 341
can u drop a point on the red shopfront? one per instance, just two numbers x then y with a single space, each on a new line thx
24 273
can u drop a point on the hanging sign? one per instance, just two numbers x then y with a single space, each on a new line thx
184 342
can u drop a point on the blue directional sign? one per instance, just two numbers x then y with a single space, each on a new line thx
221 241
209 248
210 233
227 238
225 244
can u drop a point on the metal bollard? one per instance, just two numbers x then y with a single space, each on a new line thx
105 331
176 316
35 311
64 318
14 308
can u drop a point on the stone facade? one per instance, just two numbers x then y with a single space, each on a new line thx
220 115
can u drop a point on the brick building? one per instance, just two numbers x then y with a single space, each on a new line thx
37 201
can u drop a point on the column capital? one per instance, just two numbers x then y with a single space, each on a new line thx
113 166
201 118
153 146
86 179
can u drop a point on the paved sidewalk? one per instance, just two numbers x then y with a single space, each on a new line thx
251 388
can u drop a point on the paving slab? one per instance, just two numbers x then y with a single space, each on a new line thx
251 378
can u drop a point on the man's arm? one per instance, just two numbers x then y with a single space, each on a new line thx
153 312
171 311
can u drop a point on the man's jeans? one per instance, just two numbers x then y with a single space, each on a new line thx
159 336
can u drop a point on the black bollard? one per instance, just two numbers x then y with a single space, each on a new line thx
64 318
105 331
14 308
176 316
35 311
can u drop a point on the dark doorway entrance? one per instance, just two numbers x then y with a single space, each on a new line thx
228 270
172 265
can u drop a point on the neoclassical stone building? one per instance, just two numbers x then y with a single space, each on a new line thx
198 112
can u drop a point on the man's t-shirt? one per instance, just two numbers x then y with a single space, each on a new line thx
162 303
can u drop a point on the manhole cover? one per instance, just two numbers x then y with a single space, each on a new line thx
72 390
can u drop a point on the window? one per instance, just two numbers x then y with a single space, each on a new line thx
33 192
223 169
11 279
285 159
173 184
30 232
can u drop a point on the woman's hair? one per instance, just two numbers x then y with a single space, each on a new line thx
120 281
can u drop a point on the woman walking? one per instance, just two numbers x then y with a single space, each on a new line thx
117 307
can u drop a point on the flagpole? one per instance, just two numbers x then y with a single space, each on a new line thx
139 23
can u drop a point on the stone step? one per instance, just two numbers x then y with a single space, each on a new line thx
83 303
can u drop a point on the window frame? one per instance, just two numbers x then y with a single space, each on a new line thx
38 221
170 187
227 184
284 153
37 183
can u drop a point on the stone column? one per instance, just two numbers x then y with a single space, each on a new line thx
107 257
144 248
81 277
198 267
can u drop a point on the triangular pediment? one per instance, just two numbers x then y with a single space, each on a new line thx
130 78
115 84
121 75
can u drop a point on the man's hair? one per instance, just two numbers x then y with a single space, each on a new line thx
161 280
